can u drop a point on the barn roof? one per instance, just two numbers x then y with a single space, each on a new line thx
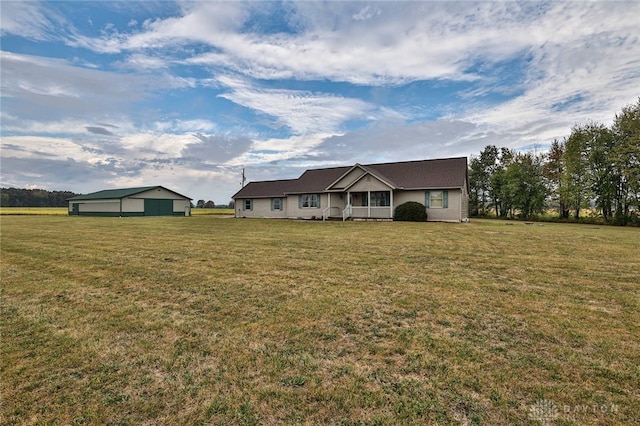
119 193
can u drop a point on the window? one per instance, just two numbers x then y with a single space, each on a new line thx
276 204
309 201
359 199
248 204
380 199
437 199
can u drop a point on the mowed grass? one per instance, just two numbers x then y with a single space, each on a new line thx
206 320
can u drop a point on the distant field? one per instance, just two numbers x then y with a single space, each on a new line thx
37 211
65 211
212 212
206 320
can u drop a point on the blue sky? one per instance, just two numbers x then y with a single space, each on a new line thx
99 95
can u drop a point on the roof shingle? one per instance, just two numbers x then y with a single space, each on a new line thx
422 174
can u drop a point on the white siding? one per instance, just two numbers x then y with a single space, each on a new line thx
180 205
261 208
293 211
159 193
91 206
132 205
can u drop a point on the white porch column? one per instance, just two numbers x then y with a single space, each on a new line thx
391 204
369 204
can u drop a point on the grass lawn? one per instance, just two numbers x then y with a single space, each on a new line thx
206 320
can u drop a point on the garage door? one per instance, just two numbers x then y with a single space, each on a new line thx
158 207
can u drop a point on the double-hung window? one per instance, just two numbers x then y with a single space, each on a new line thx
309 201
248 204
437 199
276 204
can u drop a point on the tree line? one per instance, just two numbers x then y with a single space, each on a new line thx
211 205
596 167
16 197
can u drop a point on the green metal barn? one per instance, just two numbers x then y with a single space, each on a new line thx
142 201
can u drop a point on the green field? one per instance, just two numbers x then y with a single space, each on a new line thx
34 211
207 320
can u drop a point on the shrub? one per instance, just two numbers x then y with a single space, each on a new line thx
411 211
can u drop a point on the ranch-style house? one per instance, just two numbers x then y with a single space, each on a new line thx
370 191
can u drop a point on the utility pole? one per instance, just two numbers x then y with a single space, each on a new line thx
244 179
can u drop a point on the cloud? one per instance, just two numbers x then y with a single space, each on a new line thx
215 149
301 111
32 20
584 69
99 130
367 12
46 89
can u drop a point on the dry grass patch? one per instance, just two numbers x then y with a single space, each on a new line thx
230 321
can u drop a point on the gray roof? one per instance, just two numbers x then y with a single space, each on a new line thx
423 174
441 173
266 189
110 194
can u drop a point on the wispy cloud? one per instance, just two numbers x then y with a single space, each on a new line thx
31 19
301 111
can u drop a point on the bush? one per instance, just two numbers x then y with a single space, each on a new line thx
411 211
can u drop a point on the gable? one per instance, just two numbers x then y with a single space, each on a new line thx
368 182
348 179
159 192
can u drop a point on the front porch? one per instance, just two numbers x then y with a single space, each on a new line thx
377 205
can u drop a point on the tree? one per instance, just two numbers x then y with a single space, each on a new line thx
626 132
575 182
475 186
553 170
200 204
488 161
15 197
480 172
525 184
232 204
501 198
604 176
209 205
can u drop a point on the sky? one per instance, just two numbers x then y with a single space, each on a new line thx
106 94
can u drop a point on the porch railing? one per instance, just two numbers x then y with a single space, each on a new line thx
347 212
325 213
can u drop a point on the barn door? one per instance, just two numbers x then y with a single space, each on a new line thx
158 207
